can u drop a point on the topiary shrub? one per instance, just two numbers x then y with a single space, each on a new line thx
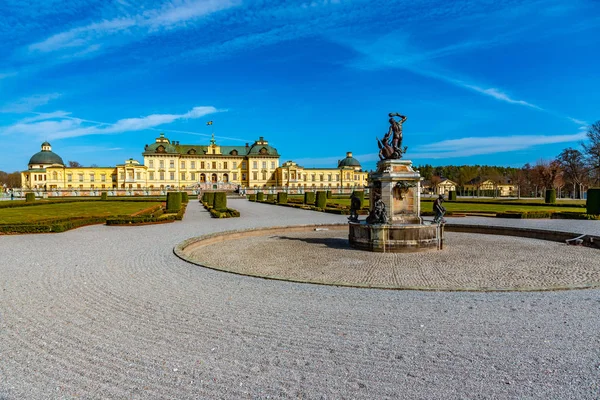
452 195
550 197
260 196
252 197
173 202
220 201
185 198
104 196
203 198
210 198
29 197
592 203
321 201
329 194
271 197
309 198
361 195
282 198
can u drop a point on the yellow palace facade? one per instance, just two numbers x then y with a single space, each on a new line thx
170 165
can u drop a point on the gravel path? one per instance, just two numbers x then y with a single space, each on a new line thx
110 312
468 262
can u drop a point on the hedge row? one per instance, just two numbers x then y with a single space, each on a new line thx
47 226
226 213
516 203
593 201
141 219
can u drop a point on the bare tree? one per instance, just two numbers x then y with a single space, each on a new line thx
592 151
572 163
74 164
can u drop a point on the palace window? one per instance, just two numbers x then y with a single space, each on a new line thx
313 177
235 176
162 176
172 176
225 165
193 166
69 178
55 176
151 163
264 176
103 178
151 175
337 178
171 163
193 176
235 165
254 164
201 164
183 176
183 165
243 164
272 164
321 177
264 164
255 175
92 178
80 176
329 177
214 165
162 163
243 177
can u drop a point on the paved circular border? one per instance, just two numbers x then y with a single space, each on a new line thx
540 234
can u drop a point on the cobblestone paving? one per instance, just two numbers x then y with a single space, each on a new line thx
468 262
110 312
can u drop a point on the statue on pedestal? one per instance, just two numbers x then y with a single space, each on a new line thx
354 207
378 213
391 150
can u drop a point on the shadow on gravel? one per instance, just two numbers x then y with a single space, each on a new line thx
334 243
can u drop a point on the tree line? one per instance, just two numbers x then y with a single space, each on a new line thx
570 173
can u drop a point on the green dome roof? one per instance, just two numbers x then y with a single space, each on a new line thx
349 161
46 157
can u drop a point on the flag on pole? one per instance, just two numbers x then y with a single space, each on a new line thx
209 123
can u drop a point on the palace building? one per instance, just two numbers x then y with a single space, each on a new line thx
171 165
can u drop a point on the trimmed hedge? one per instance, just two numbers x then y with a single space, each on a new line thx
329 194
592 204
260 196
271 197
173 202
185 197
282 198
104 196
574 215
321 201
29 197
550 197
361 196
452 195
309 198
47 226
251 197
224 213
210 198
220 201
525 214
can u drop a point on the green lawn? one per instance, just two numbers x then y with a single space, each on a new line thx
72 210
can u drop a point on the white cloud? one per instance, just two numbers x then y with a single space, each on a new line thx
499 95
472 146
171 15
60 125
30 103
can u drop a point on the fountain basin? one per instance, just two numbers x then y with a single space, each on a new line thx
395 238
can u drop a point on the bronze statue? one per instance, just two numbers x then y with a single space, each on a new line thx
392 150
378 214
354 207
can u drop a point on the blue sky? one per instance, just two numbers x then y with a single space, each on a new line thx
501 82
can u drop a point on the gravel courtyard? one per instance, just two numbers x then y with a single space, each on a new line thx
111 312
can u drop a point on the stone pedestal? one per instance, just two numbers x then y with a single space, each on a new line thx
399 186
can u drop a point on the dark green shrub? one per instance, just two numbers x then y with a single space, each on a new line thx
271 197
203 199
321 201
104 196
309 198
252 197
173 202
329 194
210 198
220 202
361 196
185 198
282 198
30 197
592 204
226 213
452 195
550 197
260 196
